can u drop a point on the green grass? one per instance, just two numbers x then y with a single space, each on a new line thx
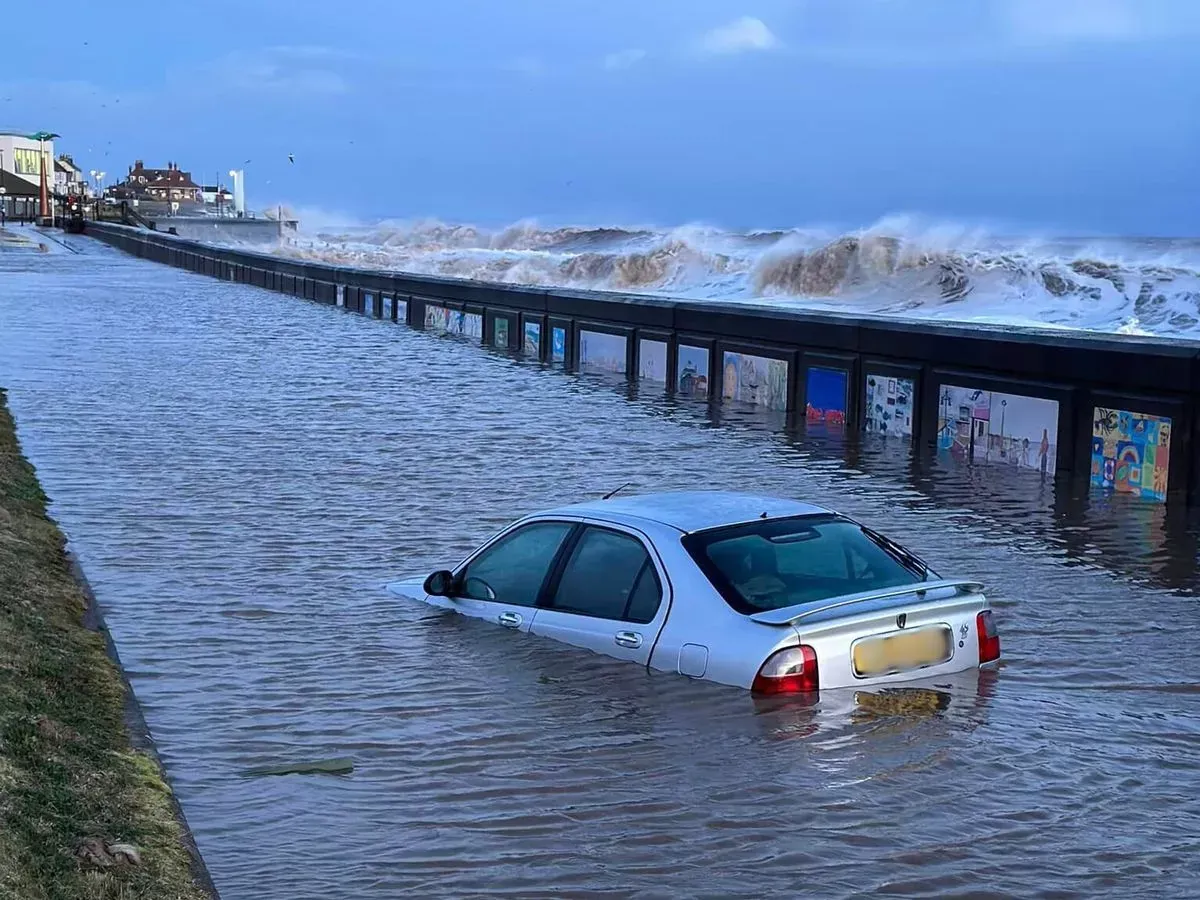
67 769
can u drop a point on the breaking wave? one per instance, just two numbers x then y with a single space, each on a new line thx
897 267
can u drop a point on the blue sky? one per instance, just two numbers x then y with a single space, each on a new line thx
1080 116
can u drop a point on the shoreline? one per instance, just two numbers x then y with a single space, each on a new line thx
85 806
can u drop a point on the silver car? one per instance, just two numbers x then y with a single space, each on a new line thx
773 595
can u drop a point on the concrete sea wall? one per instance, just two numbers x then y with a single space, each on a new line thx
1114 410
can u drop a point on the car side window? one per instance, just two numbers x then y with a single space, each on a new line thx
512 570
606 576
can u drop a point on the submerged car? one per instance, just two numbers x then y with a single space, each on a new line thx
773 595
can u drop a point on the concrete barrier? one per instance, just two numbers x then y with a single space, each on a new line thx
1116 410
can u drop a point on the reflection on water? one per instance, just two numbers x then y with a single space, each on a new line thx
241 472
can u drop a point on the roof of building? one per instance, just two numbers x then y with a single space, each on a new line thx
16 186
694 510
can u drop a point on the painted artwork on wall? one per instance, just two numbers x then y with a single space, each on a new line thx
558 345
388 307
435 317
889 405
691 371
472 325
998 429
500 335
600 351
1131 452
402 311
341 295
533 339
825 395
368 304
759 380
652 361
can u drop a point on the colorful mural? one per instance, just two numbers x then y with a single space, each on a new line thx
652 361
760 380
602 352
558 344
691 371
402 311
388 308
998 429
500 334
825 396
533 339
472 326
889 405
441 320
368 304
1131 452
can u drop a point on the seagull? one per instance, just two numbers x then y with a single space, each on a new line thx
291 158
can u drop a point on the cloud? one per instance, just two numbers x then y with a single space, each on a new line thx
287 71
1077 21
740 36
623 59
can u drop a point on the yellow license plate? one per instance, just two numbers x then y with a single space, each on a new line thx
902 651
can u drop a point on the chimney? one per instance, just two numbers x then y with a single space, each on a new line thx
137 164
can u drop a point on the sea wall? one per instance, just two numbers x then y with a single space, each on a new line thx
1115 410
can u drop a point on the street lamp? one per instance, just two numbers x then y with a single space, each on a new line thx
41 137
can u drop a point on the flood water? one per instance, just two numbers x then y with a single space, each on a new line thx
240 472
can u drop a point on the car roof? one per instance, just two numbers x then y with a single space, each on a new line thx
691 510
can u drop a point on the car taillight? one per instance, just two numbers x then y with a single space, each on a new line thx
989 637
790 671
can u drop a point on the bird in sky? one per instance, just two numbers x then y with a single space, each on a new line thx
291 158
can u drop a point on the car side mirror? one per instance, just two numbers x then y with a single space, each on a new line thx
439 584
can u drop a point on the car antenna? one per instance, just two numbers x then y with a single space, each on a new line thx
616 490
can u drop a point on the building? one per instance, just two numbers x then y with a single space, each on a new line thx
19 155
68 177
163 185
217 195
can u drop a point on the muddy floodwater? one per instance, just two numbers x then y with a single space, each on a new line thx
240 473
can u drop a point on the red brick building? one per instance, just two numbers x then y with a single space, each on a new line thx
165 185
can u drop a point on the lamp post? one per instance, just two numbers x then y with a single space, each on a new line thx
44 196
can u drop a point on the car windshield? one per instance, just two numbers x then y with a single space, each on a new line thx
777 563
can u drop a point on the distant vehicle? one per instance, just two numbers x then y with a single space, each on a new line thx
772 595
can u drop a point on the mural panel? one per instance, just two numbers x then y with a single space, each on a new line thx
691 371
998 429
533 339
341 295
500 335
760 380
889 405
558 344
652 361
402 311
368 304
602 352
1131 452
825 393
388 308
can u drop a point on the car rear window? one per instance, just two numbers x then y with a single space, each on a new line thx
777 563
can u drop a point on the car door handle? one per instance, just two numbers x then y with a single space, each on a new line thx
628 639
509 619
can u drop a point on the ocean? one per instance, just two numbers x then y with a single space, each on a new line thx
897 267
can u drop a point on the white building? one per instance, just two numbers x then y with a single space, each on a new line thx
19 155
68 177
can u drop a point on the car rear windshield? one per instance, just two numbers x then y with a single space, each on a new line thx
777 563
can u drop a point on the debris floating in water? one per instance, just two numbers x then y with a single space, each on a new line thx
320 767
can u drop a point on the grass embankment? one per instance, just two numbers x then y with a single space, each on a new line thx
83 815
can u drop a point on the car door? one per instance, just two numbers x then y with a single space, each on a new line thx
609 595
503 581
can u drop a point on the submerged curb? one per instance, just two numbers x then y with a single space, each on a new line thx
140 737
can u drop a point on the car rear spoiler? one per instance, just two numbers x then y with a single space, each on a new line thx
789 615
